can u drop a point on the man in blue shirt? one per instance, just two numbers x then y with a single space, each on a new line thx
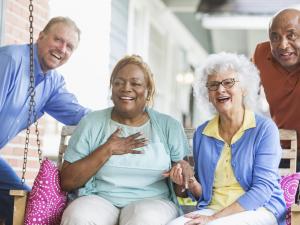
53 48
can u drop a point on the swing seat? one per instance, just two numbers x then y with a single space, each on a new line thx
289 154
20 196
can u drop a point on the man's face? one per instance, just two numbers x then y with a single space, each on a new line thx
56 46
284 36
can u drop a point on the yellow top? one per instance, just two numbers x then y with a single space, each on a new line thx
226 189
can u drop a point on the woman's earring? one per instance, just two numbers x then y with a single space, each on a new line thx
148 98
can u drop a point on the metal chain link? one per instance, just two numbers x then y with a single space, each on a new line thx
32 115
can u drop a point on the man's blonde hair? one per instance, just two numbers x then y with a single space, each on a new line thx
64 20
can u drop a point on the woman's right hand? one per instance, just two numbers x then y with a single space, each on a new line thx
124 145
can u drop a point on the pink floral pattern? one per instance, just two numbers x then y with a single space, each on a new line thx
289 185
46 201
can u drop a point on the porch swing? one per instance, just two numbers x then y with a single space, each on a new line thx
20 196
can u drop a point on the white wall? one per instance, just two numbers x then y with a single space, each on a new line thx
159 37
239 41
86 72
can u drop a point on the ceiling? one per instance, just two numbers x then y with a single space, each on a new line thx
228 25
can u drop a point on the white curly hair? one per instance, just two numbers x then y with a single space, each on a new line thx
247 74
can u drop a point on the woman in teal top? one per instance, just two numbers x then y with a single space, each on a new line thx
116 158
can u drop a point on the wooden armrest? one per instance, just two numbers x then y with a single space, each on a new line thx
20 197
295 214
18 193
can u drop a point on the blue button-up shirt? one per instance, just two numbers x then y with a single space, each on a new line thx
51 95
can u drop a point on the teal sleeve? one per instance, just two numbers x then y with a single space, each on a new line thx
80 142
177 141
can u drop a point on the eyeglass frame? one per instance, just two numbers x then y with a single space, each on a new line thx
218 83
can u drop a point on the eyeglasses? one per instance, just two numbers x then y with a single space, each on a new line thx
226 83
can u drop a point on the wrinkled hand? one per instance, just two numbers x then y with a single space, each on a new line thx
181 174
175 174
188 173
124 145
197 219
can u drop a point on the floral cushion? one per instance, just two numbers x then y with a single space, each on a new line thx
289 185
46 201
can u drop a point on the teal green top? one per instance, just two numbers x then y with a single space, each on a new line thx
130 177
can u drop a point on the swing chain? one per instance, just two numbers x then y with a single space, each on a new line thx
32 115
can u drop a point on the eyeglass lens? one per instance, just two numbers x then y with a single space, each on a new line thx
226 83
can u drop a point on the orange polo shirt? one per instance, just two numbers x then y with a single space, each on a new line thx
282 89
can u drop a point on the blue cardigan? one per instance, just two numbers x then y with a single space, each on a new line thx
255 160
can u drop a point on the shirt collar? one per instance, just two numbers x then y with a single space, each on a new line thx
212 128
37 65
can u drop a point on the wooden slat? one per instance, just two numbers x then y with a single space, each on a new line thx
189 132
295 214
288 134
20 198
284 171
289 154
17 193
67 130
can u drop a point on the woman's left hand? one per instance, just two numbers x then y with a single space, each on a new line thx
198 219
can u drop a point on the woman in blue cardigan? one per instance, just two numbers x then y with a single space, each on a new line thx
236 153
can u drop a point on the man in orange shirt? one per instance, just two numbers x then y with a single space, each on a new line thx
279 63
